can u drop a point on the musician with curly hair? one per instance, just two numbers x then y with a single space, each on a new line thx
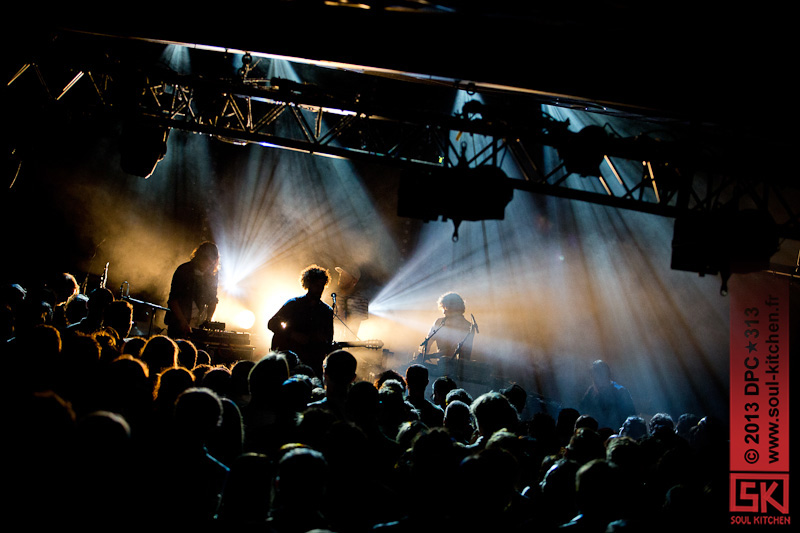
304 324
452 334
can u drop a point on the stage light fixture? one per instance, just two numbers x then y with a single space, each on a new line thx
143 146
582 152
724 242
245 319
456 193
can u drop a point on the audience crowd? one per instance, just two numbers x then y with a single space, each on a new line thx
110 428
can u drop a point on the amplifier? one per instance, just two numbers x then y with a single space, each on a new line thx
231 338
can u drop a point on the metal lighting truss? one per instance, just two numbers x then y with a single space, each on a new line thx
675 177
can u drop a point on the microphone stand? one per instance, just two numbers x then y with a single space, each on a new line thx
91 263
473 329
424 343
337 317
154 307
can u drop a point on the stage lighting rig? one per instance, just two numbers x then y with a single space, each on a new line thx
364 115
583 152
456 193
247 67
724 242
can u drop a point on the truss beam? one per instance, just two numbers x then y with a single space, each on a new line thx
675 178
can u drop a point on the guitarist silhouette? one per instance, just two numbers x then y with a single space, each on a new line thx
304 324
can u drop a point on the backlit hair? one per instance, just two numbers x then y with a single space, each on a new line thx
208 250
452 302
314 273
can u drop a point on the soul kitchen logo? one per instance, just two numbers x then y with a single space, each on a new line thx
759 407
765 497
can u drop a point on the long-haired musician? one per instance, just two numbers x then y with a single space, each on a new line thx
452 334
193 293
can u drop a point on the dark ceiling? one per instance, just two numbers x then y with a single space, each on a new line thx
728 70
722 67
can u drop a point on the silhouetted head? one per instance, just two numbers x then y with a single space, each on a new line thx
601 372
159 353
133 346
246 496
417 377
240 373
339 367
634 427
99 299
295 394
218 379
494 412
362 402
300 478
441 387
172 382
457 416
624 452
685 424
119 315
661 424
585 445
587 421
65 286
459 394
389 375
517 396
198 413
77 308
268 374
206 257
314 279
102 434
187 353
13 295
451 304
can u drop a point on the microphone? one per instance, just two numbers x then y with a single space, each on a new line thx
474 323
333 296
104 277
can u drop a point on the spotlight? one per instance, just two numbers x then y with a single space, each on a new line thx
245 319
582 152
724 242
456 193
231 310
143 146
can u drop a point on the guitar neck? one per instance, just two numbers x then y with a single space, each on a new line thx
371 344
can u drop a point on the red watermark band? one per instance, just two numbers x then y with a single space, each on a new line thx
759 399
